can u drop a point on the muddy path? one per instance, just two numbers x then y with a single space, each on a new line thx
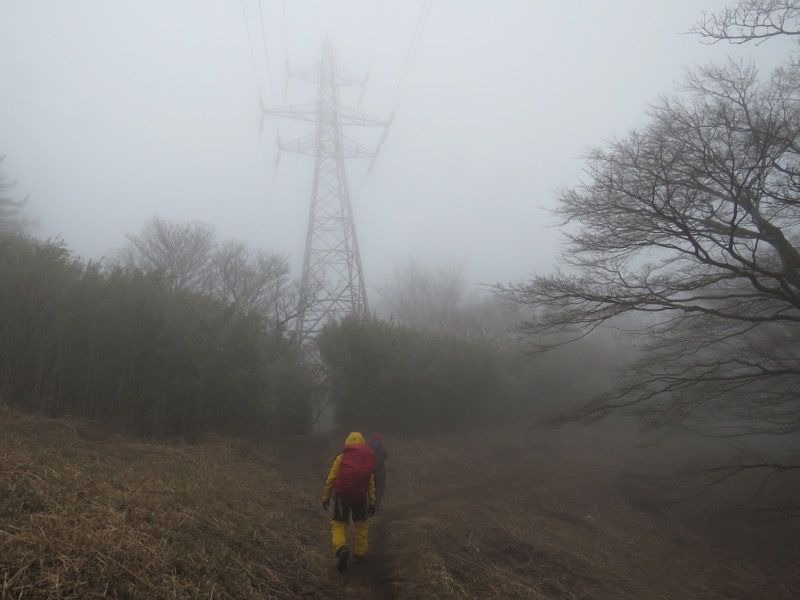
491 515
395 531
305 461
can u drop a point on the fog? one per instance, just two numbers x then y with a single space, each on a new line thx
114 112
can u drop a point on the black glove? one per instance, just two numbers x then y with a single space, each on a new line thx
325 505
371 510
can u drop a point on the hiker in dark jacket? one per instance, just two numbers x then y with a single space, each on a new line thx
351 486
381 456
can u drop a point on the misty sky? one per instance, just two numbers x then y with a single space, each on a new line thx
114 111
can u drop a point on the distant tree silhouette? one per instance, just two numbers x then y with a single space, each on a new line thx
121 346
440 299
11 217
180 252
394 377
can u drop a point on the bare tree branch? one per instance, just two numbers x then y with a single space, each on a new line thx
750 21
179 251
692 226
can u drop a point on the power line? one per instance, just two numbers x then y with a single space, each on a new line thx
372 50
285 42
266 53
255 69
412 49
410 54
250 45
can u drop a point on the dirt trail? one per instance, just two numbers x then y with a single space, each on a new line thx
304 461
465 518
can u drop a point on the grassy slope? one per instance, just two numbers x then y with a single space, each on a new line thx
87 514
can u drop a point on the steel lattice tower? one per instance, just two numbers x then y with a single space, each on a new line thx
332 281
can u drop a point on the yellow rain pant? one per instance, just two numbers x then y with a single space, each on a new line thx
339 536
362 537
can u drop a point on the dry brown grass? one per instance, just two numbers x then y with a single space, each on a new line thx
503 515
85 513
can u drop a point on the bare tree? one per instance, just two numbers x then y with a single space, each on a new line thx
750 21
425 299
189 257
179 251
439 299
255 280
11 217
693 220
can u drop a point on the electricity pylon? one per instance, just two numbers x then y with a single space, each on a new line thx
332 281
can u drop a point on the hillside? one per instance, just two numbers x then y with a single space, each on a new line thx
86 513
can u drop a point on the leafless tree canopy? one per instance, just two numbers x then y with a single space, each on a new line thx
179 251
189 257
255 280
697 213
694 222
751 21
11 217
439 299
425 299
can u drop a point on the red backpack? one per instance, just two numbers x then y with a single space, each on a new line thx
355 471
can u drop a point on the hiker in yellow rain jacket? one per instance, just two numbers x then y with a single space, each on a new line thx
351 487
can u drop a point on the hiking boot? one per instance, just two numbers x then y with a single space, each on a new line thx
359 558
343 553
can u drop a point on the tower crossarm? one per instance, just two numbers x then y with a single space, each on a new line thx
352 149
312 74
308 145
309 112
350 116
305 145
301 112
